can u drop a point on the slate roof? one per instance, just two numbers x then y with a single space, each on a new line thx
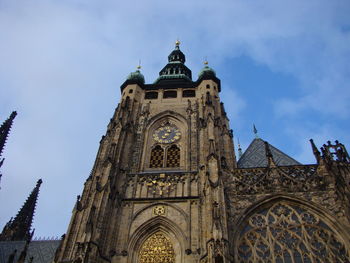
255 156
42 251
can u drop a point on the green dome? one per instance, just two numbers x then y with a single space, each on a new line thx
207 71
136 76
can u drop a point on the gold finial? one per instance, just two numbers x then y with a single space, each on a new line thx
205 61
177 43
139 66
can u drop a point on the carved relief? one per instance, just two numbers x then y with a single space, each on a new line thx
266 180
157 249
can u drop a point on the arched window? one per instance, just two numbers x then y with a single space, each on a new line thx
157 157
173 156
158 249
286 232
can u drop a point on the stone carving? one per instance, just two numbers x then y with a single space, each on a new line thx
289 233
267 180
157 249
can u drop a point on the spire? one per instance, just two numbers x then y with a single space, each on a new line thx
5 129
255 132
239 150
4 132
19 227
315 151
269 156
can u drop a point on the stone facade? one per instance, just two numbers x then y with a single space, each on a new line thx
165 187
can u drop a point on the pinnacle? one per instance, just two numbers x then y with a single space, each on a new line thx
19 227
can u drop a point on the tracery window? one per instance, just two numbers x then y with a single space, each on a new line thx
157 157
287 233
173 156
157 249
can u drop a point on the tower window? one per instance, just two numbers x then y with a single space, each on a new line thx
157 157
151 95
170 94
189 93
173 156
208 86
131 91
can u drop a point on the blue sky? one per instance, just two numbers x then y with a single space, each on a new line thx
284 65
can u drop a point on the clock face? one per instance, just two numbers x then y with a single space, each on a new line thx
167 134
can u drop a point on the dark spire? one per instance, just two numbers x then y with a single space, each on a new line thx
19 227
5 129
175 69
4 132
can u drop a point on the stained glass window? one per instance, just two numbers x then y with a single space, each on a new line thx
289 233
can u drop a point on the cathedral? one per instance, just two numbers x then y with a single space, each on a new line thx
167 187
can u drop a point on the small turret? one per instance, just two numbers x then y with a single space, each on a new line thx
136 76
206 71
18 229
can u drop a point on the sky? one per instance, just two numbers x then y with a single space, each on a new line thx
284 66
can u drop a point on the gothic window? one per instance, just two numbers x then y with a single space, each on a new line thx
288 233
157 157
170 94
173 156
151 95
157 249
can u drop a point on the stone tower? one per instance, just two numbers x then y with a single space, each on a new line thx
155 191
166 186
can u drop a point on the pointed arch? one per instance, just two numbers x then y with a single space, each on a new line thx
283 228
165 119
153 226
177 208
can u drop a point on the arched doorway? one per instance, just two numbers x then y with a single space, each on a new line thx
287 232
157 249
